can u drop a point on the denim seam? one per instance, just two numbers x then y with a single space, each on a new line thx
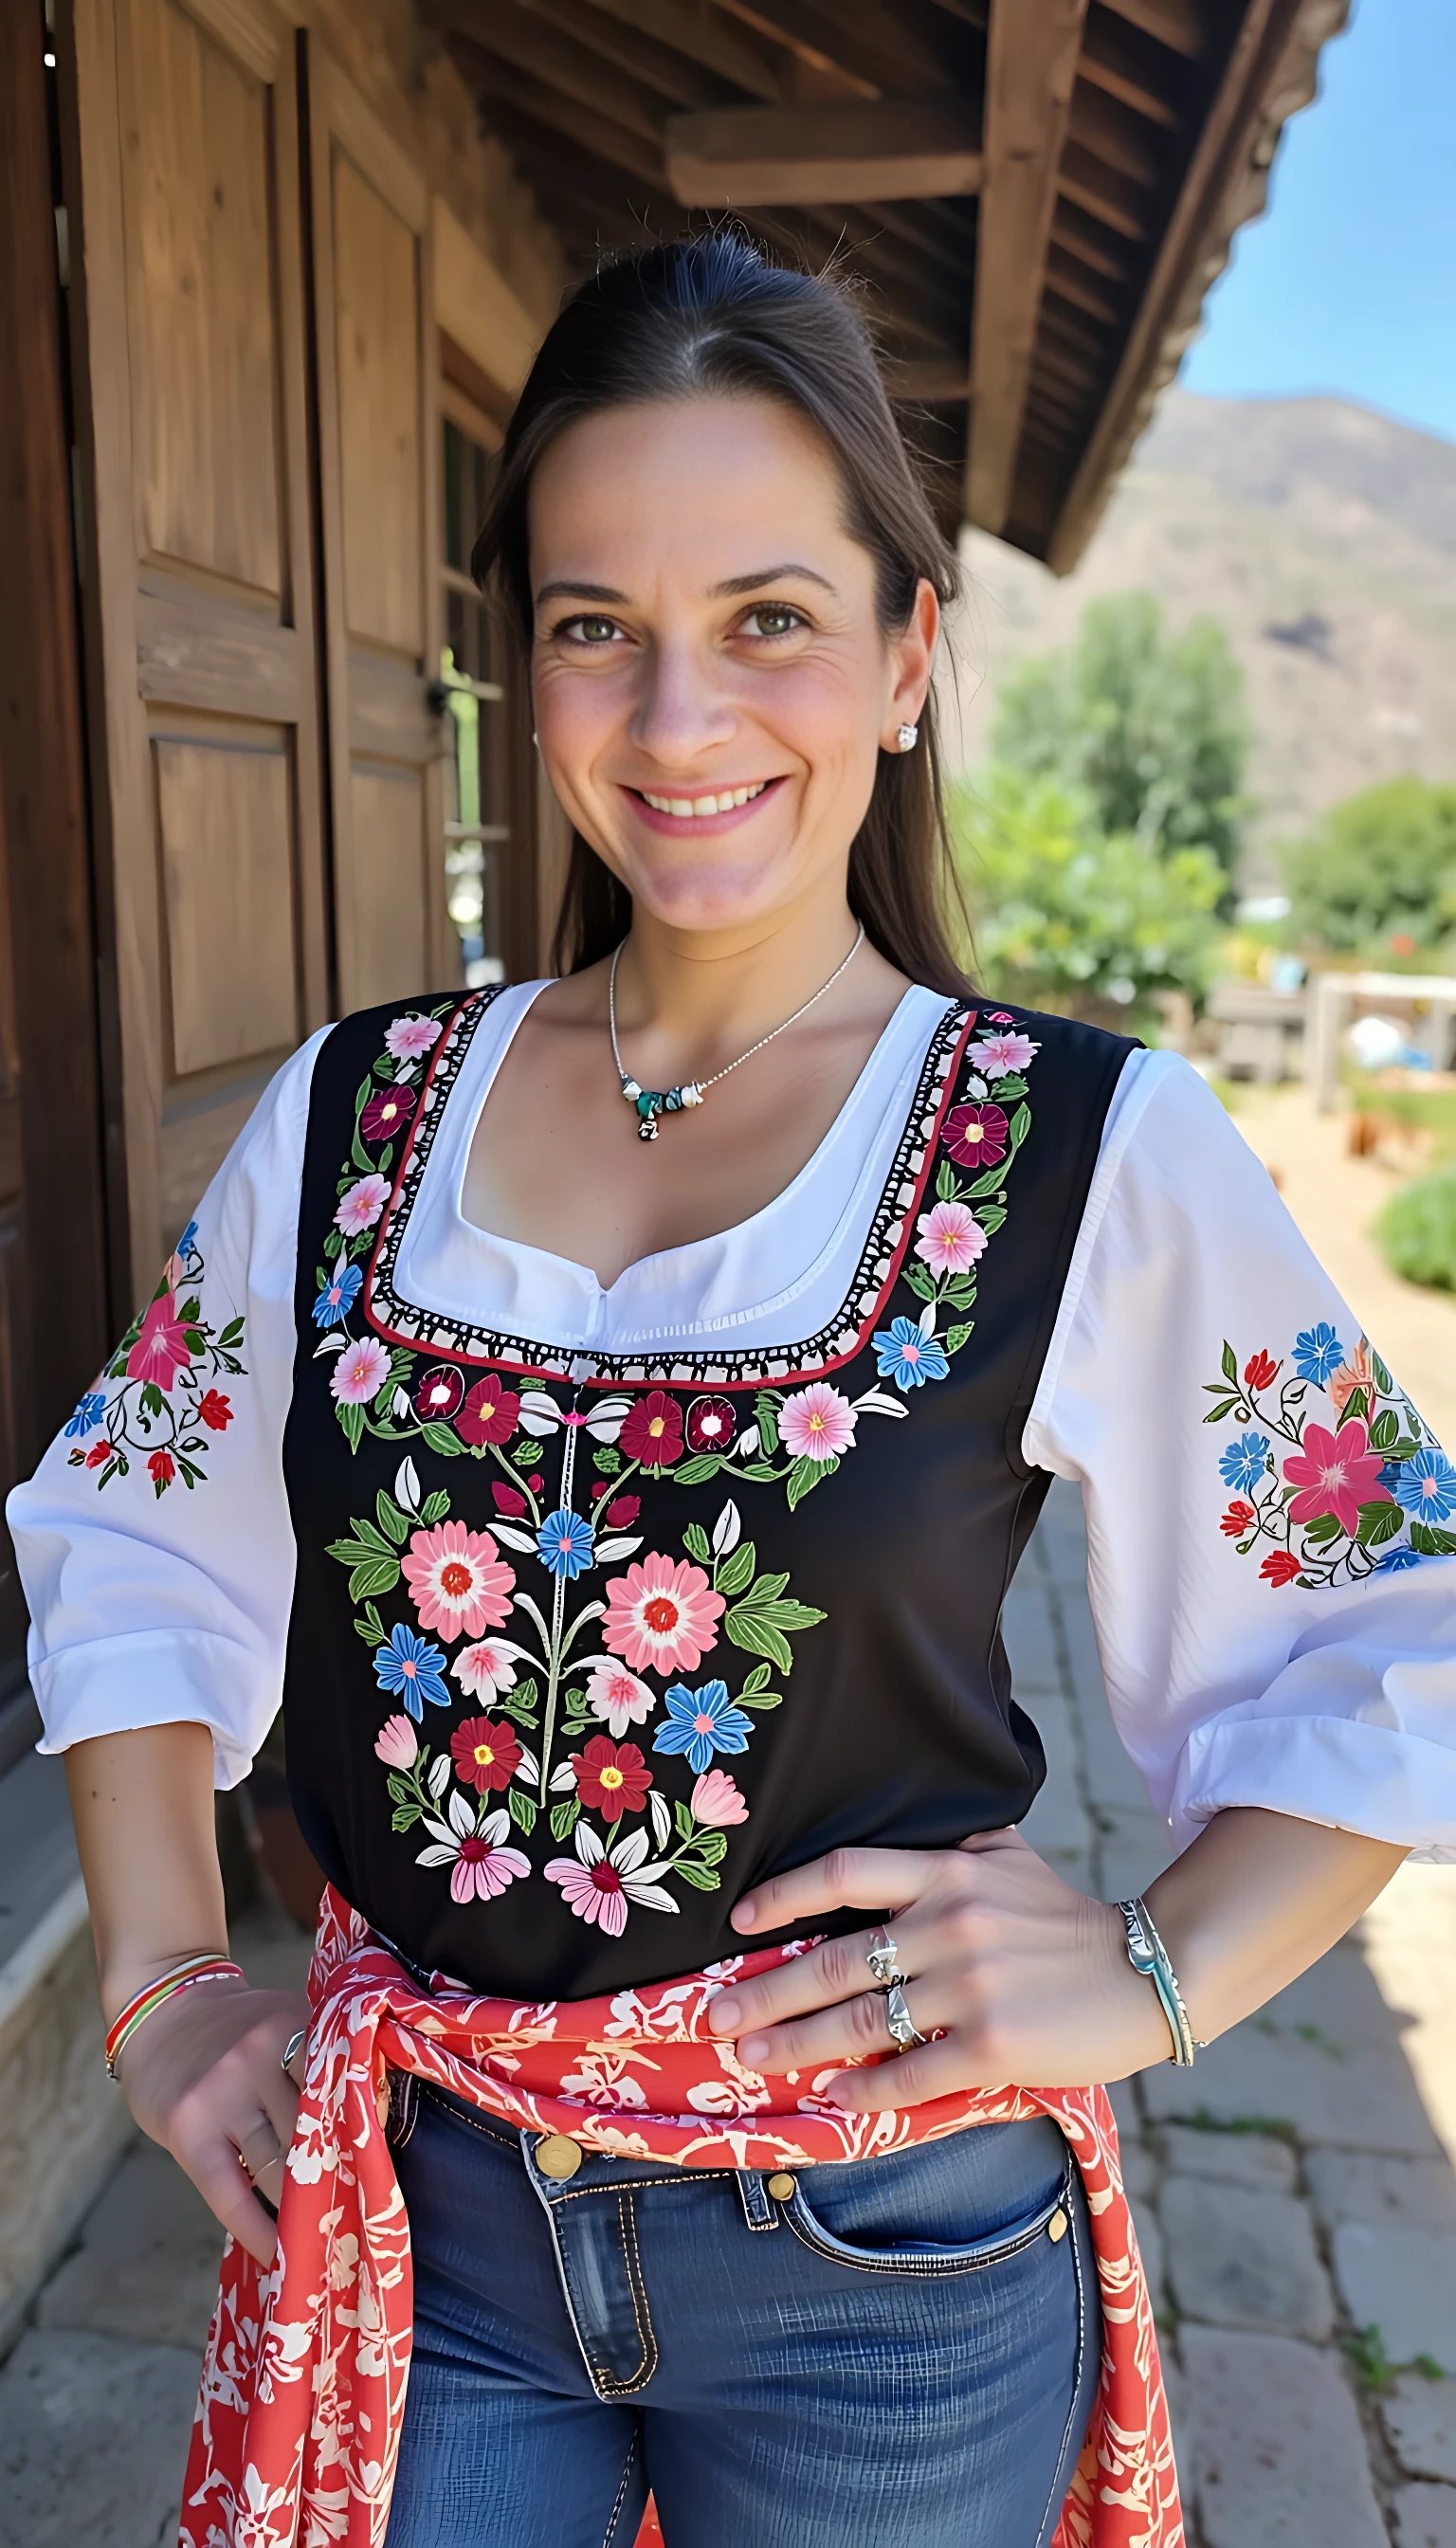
886 2261
627 2224
615 2515
636 2184
1053 2501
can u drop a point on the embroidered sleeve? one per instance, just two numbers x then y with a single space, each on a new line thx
155 1542
1271 1523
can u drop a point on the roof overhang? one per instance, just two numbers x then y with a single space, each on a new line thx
1036 193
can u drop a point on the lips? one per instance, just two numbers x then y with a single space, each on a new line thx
725 801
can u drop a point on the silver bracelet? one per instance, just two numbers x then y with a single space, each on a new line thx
1147 1955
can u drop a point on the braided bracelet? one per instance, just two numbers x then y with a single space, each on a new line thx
143 2003
1147 1955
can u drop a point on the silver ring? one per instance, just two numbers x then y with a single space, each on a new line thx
291 2049
884 1961
898 2019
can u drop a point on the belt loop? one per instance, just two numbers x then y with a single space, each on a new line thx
758 2210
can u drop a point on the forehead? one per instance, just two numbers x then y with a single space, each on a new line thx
687 487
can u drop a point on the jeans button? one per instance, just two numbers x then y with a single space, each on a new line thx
782 2186
557 2156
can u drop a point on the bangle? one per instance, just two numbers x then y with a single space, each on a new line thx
143 2004
1147 1955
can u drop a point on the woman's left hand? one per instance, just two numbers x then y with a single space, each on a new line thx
1019 1978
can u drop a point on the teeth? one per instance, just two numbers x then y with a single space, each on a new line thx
689 805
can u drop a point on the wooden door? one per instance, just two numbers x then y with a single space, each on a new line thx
378 435
193 382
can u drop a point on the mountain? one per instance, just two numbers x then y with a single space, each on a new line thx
1322 536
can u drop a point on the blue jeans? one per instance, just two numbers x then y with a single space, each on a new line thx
902 2353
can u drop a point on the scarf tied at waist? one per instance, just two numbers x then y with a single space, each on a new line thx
303 2387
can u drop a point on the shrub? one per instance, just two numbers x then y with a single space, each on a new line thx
1380 866
1416 1230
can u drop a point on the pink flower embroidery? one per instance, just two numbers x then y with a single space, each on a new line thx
360 1208
1353 1375
599 1883
482 1867
388 1112
161 1349
816 1424
662 1614
618 1697
1001 1017
977 1135
718 1800
407 1038
1335 1473
360 1373
482 1668
998 1053
396 1743
951 1238
456 1580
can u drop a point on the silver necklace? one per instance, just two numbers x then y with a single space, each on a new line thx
650 1103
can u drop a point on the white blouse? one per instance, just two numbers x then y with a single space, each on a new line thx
1256 1649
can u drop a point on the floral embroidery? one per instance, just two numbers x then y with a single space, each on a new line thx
167 1363
1321 1500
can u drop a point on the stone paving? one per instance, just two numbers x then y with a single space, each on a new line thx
1295 2198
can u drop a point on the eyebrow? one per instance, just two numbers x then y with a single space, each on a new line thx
566 590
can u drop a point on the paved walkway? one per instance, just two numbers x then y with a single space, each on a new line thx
1294 2197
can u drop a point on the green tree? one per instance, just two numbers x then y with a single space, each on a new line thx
1151 725
1064 917
1381 866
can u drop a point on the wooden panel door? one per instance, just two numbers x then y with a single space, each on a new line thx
378 431
194 374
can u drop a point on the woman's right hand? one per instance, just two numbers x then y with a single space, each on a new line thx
203 2076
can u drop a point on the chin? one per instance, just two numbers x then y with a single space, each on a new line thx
711 894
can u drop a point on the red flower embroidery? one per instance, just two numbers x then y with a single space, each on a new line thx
216 1411
613 1779
485 1753
621 1515
99 1453
1280 1568
508 1501
977 1135
653 1432
488 1415
711 1425
162 1469
385 1114
1335 1473
1236 1519
439 1394
1260 1371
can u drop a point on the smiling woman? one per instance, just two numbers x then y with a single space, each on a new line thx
626 1522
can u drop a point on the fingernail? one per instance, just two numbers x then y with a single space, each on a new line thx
723 2015
751 2048
743 1915
835 2093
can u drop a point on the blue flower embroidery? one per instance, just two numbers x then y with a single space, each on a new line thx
908 1356
90 1411
702 1722
1396 1560
1241 1464
1424 1486
412 1668
188 1240
1317 1353
565 1543
339 1296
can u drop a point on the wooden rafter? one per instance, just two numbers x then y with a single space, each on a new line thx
659 68
699 38
878 48
518 38
1031 66
820 154
495 83
1174 22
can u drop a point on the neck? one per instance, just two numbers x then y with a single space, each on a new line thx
712 989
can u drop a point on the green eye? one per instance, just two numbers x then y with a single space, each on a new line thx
594 629
775 618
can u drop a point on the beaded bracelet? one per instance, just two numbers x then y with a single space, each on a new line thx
143 2004
1147 1955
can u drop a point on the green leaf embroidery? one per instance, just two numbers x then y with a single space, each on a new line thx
564 1818
697 1544
758 1679
1383 1380
736 1572
1384 1431
763 1627
441 1440
919 1279
522 1812
805 1476
946 1186
1356 1406
1324 1526
683 1822
1228 1363
955 1337
1216 1414
1427 1541
695 1472
1378 1524
395 1524
701 1878
436 1507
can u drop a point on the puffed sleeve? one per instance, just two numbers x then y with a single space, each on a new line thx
1271 1526
155 1541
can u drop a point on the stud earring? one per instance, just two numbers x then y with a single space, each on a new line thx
907 736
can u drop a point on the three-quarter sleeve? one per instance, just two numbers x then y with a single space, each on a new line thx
154 1540
1271 1525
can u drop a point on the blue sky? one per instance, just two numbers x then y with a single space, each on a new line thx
1348 284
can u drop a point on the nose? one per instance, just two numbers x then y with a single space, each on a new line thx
683 710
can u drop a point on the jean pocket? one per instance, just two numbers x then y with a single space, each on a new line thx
844 2212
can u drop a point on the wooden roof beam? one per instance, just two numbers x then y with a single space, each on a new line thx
1032 53
824 155
873 44
699 36
595 135
1174 22
522 40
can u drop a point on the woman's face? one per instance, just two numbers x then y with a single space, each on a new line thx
712 688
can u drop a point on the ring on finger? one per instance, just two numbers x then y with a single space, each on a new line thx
898 2019
884 1961
274 2155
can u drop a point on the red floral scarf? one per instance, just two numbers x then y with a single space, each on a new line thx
302 2388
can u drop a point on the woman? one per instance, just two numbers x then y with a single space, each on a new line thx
611 1411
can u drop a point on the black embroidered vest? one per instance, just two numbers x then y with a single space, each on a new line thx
582 1646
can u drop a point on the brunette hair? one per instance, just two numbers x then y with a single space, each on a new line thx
705 314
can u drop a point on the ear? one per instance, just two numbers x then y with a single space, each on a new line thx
911 655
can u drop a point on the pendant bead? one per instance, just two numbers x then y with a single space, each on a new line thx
631 1091
691 1095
